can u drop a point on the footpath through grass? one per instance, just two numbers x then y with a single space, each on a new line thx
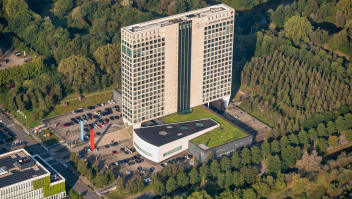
224 134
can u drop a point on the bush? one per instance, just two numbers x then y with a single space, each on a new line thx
348 135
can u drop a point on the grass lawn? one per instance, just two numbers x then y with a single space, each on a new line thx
86 101
52 139
117 195
75 95
225 133
31 123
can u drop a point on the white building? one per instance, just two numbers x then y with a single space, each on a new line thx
160 142
19 172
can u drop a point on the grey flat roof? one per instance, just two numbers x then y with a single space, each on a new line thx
16 175
151 134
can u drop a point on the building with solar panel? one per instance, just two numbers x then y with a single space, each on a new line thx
23 176
160 142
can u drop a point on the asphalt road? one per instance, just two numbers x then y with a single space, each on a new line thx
70 179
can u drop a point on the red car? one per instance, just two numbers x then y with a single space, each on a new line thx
94 116
114 152
99 126
106 122
64 125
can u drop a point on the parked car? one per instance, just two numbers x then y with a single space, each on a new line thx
236 116
122 149
143 171
138 160
64 125
127 164
18 54
91 107
117 117
112 118
152 169
139 168
146 180
107 146
114 152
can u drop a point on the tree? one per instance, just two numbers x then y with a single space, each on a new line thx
199 195
15 6
298 28
309 163
228 178
211 189
196 162
348 135
210 157
119 184
322 132
225 163
238 179
340 123
255 151
313 134
300 185
174 170
204 171
333 141
245 156
140 184
214 168
194 176
249 194
131 187
275 146
288 156
331 128
278 16
77 70
172 8
171 185
293 139
273 165
265 149
182 179
235 160
284 142
249 173
78 13
221 180
340 19
158 188
322 145
108 58
180 168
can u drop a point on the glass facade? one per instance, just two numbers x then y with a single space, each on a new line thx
184 65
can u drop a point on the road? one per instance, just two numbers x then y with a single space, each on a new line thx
70 179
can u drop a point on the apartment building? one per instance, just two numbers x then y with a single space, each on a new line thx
175 63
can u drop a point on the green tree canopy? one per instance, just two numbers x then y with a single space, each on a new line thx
298 28
15 6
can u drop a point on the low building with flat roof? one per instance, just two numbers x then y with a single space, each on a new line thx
160 142
23 176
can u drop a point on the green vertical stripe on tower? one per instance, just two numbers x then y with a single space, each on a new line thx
184 66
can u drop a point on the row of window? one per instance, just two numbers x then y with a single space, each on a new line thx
218 25
206 99
173 151
148 117
227 29
142 150
15 188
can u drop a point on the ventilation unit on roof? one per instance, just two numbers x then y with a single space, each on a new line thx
3 171
169 127
163 133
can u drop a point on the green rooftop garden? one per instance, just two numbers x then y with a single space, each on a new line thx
221 135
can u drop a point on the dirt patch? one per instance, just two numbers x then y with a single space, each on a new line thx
116 136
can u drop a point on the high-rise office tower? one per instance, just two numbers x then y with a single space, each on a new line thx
175 63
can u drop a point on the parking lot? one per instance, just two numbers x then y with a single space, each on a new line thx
246 122
68 127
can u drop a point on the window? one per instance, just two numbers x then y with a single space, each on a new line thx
142 150
172 151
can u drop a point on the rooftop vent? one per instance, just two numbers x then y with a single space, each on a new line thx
169 127
25 163
185 128
179 134
3 171
199 124
163 133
